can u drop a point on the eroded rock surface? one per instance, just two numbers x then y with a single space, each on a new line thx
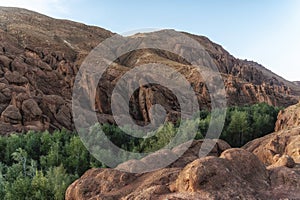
288 118
40 56
236 174
265 168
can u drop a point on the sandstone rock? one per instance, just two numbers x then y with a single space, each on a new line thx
31 110
15 78
282 175
11 115
283 142
20 66
151 193
132 166
36 126
211 174
113 184
159 159
293 148
179 156
221 145
4 61
64 117
6 128
44 66
249 167
284 183
38 70
193 151
3 86
236 174
283 160
288 118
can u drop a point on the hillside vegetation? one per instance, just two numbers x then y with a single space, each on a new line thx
41 165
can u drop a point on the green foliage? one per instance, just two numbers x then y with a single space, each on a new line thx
41 165
77 156
163 136
246 123
242 124
59 180
238 126
18 189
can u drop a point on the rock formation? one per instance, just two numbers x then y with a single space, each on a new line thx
283 146
265 168
40 56
288 118
236 174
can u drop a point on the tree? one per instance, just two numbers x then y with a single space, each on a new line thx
33 144
53 158
238 127
77 156
13 142
59 180
162 136
2 181
20 156
40 187
20 188
3 141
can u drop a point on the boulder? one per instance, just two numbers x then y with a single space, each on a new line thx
15 78
11 115
249 167
114 184
236 174
31 110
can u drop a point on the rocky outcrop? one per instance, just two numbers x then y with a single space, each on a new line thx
37 71
283 146
236 174
150 162
210 175
288 118
39 58
265 168
270 148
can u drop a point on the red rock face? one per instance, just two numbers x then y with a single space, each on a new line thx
288 118
40 57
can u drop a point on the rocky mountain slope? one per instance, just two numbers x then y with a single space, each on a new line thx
40 56
265 168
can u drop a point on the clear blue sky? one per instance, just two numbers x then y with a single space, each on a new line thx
266 31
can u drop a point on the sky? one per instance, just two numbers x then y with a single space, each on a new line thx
265 31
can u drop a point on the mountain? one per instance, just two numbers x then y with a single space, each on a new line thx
265 168
40 57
